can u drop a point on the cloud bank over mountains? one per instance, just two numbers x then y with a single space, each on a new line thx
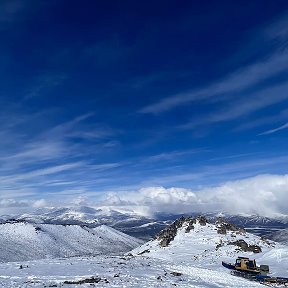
265 195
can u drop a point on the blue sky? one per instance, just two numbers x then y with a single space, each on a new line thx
116 96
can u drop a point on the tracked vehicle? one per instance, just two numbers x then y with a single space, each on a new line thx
247 268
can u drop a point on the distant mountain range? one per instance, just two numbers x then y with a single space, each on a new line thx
279 236
139 226
21 241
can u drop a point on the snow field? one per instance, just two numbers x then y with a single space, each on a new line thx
135 272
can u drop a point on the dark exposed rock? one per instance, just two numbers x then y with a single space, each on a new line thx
220 244
224 226
190 225
244 246
221 230
202 220
143 252
189 228
176 273
165 242
88 280
255 248
167 235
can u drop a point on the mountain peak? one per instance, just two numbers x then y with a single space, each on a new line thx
195 238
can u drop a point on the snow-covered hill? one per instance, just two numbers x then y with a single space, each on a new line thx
26 241
194 242
188 255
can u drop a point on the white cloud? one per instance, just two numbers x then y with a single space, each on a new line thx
285 126
240 107
173 155
235 82
39 203
13 203
279 29
265 120
273 35
40 172
13 206
265 195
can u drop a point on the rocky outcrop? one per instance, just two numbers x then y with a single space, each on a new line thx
245 247
191 221
167 235
202 220
224 226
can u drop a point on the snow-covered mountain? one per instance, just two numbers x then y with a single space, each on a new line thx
187 254
197 242
26 241
259 225
78 215
280 236
126 221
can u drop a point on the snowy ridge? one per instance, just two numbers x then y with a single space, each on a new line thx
203 246
81 215
26 241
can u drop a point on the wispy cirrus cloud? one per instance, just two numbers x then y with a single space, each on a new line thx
50 159
241 107
238 81
271 131
43 83
172 155
264 120
245 78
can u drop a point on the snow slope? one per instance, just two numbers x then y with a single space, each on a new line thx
25 241
136 272
203 246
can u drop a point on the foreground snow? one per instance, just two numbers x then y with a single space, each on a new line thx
138 272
